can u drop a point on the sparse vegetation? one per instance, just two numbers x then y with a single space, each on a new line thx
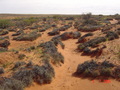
4 23
31 46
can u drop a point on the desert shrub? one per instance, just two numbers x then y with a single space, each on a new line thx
82 39
4 43
87 51
50 49
11 29
40 74
106 28
95 73
57 58
29 64
4 23
44 28
18 33
18 64
21 56
92 65
54 25
106 72
1 70
111 35
76 35
54 32
5 37
87 16
11 84
29 49
69 18
27 37
57 41
91 43
34 27
25 76
65 27
107 64
43 74
32 47
98 69
89 22
88 28
4 32
66 35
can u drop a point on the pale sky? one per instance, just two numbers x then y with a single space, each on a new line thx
60 6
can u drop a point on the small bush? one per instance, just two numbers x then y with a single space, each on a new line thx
54 32
87 16
111 35
27 37
97 69
91 43
88 28
25 76
4 32
5 37
18 64
18 33
21 56
4 43
50 49
43 74
82 39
